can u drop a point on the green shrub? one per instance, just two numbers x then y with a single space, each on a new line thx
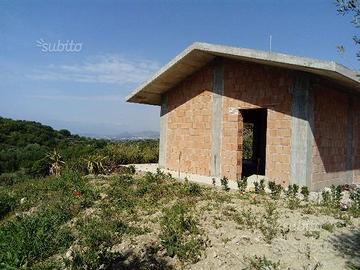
225 183
293 190
355 204
192 189
260 187
242 184
275 190
262 263
7 203
180 234
27 239
269 223
305 192
333 197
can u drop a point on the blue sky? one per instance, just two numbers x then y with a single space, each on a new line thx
124 42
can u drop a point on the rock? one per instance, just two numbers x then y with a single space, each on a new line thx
314 197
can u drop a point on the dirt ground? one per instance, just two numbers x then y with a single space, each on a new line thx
307 237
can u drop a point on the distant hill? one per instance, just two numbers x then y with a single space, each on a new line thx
23 143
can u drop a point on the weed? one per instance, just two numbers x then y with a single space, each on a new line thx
269 225
7 203
260 187
262 263
313 234
332 198
192 189
293 190
180 234
242 184
246 218
27 239
355 205
328 227
293 203
275 190
225 183
305 192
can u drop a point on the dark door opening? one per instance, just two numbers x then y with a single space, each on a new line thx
254 141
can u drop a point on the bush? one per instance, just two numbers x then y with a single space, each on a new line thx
180 234
262 263
260 187
305 192
275 190
192 189
355 198
225 183
7 203
27 239
242 184
333 197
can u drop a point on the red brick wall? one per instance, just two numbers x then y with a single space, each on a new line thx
356 139
246 86
189 124
330 135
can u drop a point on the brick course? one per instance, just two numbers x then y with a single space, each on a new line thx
189 124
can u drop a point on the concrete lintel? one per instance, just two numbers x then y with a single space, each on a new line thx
218 91
163 131
302 124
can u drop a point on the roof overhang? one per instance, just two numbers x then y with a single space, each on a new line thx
200 54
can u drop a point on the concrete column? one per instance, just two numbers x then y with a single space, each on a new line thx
302 123
218 91
163 131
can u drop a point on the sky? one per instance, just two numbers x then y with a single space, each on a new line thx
70 64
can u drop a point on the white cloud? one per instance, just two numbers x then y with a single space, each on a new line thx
109 69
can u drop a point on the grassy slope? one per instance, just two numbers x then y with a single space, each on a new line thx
154 222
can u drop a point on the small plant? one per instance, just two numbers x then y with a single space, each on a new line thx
293 190
305 192
313 234
336 195
269 224
56 162
333 197
246 219
242 184
275 190
262 263
180 234
192 189
95 164
225 183
355 199
328 227
260 187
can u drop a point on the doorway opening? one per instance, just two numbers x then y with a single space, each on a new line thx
253 141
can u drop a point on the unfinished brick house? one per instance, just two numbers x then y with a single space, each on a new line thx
304 115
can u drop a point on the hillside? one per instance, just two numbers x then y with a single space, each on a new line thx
25 146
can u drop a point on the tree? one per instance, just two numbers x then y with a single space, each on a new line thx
351 7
